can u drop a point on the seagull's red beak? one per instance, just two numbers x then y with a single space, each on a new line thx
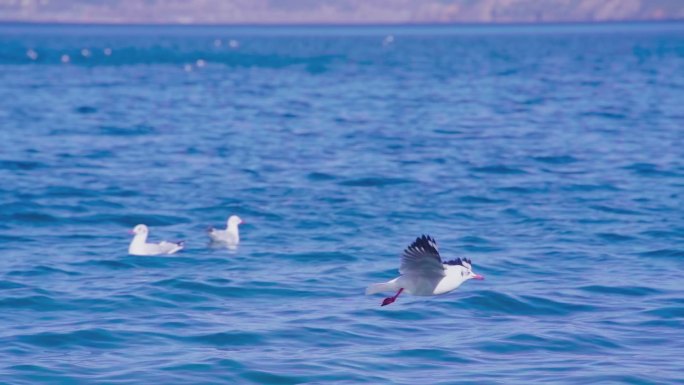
479 277
131 232
241 221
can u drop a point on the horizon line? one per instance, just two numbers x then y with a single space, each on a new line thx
323 25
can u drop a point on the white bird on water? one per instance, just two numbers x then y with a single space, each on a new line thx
424 274
139 245
231 235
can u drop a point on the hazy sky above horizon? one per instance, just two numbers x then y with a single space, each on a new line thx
337 11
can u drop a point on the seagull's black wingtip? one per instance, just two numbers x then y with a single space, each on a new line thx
424 242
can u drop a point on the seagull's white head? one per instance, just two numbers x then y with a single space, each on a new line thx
140 230
234 221
467 271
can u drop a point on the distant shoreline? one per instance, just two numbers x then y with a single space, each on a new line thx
346 25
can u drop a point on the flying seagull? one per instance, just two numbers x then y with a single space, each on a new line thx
423 272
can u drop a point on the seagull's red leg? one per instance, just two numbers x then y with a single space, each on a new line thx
389 300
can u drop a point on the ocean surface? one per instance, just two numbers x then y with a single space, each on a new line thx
551 156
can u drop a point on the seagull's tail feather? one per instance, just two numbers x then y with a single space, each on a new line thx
380 287
179 246
172 247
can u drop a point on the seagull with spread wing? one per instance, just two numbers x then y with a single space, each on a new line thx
424 274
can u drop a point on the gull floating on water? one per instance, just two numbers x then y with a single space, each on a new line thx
424 274
229 236
33 55
139 245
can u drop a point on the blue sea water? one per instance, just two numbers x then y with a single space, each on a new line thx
551 156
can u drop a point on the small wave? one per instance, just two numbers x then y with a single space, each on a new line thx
320 176
8 285
481 248
35 303
106 263
474 239
523 190
605 114
33 218
23 165
590 187
69 192
664 253
94 338
265 378
225 339
407 313
130 220
127 131
41 270
614 210
660 234
86 110
631 291
429 354
190 290
559 159
15 238
649 169
197 287
447 131
332 256
670 312
327 336
478 199
34 369
553 342
499 169
673 323
201 368
374 182
613 237
526 305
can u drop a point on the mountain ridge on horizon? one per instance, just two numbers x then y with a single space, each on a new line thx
339 12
